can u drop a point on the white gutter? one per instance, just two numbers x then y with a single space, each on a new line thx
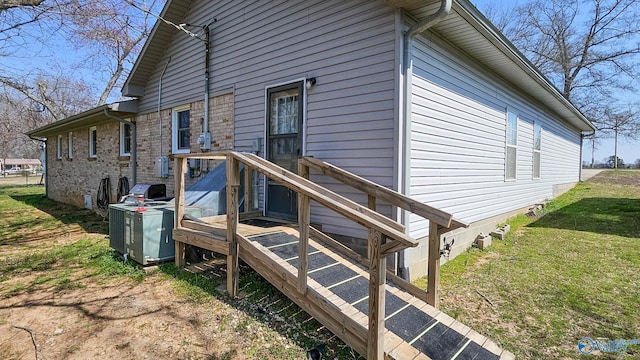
407 64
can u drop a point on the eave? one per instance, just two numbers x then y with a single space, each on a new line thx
471 32
174 11
86 119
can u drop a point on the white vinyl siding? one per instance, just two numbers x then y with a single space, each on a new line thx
70 145
93 142
458 140
59 147
348 46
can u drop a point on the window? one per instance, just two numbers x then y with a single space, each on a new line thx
125 139
59 148
180 130
537 145
512 143
93 142
70 144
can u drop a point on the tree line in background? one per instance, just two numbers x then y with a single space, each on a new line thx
610 163
109 34
589 49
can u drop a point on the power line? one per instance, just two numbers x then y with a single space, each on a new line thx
180 27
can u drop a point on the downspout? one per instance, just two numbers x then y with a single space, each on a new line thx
205 126
409 35
205 138
159 102
134 146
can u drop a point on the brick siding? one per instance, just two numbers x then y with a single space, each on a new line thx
70 179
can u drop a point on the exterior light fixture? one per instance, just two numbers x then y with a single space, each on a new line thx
310 82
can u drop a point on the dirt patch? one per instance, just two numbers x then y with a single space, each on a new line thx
620 177
146 320
484 259
141 321
66 307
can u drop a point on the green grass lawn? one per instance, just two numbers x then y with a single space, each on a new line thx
48 247
572 273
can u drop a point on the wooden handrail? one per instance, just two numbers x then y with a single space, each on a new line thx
329 199
380 228
390 196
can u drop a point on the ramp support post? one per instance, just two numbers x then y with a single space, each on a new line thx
248 189
433 265
181 169
377 281
233 185
371 204
304 218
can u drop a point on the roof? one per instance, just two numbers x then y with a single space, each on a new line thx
95 116
466 28
153 49
35 162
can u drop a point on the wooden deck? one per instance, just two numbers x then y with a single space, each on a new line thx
337 294
357 298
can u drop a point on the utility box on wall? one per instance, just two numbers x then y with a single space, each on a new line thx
162 166
87 202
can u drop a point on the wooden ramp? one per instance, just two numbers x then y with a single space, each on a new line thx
356 298
338 296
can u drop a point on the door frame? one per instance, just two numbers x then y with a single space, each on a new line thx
302 129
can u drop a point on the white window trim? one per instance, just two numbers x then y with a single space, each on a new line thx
539 151
93 152
507 145
70 144
59 148
122 152
174 129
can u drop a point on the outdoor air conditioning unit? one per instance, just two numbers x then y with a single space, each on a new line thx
145 236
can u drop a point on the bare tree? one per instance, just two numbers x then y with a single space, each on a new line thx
23 21
114 31
58 95
582 46
590 50
24 107
619 123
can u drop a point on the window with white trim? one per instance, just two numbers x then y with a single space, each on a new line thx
537 146
59 147
93 142
70 144
125 139
180 130
511 146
